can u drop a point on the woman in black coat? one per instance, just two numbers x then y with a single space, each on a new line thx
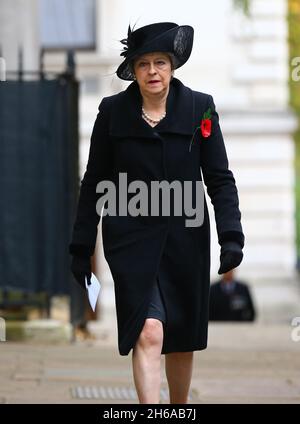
158 130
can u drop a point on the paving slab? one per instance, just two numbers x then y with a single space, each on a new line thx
246 363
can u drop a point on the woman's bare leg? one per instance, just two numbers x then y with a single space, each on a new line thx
146 359
179 367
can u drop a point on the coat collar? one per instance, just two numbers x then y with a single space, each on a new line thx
126 119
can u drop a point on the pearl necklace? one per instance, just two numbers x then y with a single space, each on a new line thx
149 119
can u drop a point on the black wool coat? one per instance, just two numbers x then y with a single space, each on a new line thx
139 248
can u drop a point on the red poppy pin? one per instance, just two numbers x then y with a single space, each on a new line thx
205 126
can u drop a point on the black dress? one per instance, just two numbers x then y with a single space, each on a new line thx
156 306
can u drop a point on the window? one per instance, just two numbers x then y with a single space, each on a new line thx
67 24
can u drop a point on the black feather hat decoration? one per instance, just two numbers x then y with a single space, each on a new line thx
128 42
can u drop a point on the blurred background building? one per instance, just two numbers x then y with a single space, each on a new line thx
243 61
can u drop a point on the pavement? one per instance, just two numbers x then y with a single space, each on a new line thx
244 363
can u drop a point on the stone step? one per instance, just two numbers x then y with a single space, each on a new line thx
40 330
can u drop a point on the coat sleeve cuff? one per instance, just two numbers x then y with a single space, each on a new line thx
232 236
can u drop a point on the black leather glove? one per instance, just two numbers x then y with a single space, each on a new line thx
231 256
81 268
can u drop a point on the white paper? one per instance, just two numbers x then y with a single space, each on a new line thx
93 290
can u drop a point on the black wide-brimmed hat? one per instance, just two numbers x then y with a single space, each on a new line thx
159 37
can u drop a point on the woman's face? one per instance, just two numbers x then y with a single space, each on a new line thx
153 72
